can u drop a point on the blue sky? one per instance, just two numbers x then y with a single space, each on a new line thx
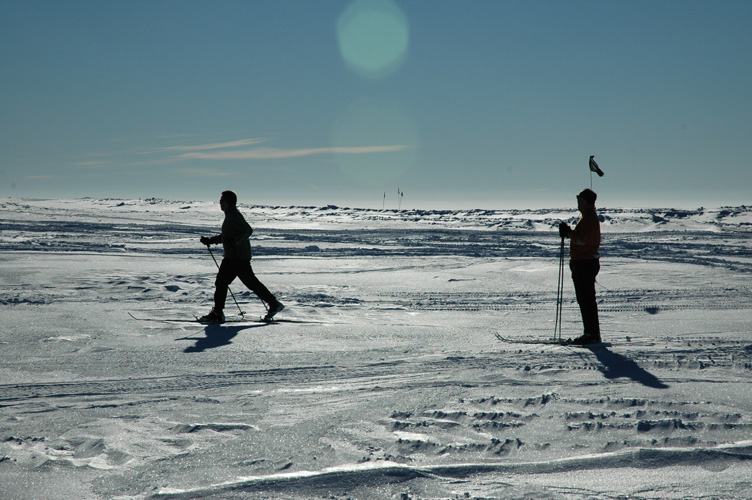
478 104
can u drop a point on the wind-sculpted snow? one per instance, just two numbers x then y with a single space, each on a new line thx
153 226
387 381
204 214
392 473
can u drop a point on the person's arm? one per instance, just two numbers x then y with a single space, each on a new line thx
238 230
585 233
213 240
564 230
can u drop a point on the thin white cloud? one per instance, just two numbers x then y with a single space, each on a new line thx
213 146
201 172
273 154
94 164
218 151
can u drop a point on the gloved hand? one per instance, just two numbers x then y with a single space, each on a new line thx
205 241
564 229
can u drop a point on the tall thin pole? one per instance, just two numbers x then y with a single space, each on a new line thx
559 294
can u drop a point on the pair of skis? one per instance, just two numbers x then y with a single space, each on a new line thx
559 342
527 340
234 320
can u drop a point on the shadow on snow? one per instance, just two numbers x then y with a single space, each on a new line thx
217 335
618 366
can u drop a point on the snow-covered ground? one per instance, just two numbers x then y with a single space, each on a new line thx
391 382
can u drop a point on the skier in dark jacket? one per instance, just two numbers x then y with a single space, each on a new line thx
237 261
585 264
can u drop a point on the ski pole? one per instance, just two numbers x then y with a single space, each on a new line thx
242 314
559 293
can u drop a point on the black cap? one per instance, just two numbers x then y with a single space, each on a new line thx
588 195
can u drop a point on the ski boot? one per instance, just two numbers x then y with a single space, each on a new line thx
214 316
273 310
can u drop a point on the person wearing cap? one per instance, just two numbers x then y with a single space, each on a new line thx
585 240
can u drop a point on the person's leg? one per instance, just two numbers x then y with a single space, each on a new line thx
249 279
227 273
583 276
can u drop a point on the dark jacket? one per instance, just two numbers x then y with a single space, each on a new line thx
586 237
234 237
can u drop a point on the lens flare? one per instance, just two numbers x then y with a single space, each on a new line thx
373 37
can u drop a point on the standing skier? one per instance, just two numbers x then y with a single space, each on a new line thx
584 263
237 261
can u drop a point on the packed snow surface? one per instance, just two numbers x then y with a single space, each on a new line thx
384 378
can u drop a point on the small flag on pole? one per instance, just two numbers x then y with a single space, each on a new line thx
594 166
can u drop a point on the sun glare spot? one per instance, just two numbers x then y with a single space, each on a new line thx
373 37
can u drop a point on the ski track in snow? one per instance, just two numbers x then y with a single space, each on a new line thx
399 388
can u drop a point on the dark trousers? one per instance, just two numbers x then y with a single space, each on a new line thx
583 276
238 268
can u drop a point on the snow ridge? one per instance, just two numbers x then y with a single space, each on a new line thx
396 472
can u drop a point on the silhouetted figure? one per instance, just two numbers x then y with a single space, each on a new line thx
585 264
237 261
